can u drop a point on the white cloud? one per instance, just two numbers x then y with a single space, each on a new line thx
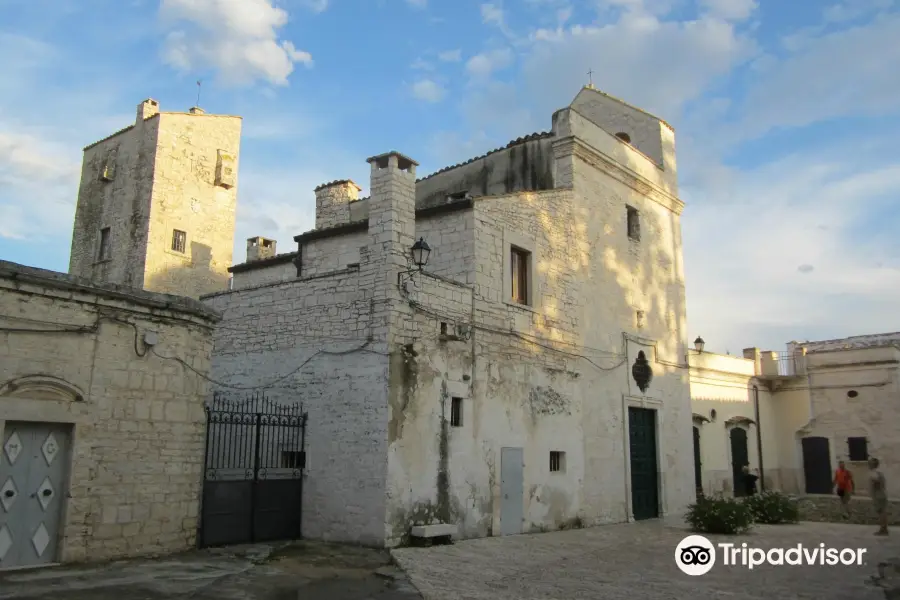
482 66
450 55
492 14
852 71
779 220
239 40
316 6
38 179
421 64
428 90
853 9
732 10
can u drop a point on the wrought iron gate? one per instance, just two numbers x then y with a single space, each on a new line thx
253 475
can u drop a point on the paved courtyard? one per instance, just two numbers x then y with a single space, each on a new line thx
300 571
638 561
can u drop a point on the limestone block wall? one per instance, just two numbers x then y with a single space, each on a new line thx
137 420
116 184
306 341
451 237
264 275
190 195
327 254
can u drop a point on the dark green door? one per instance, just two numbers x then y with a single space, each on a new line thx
698 464
644 468
739 459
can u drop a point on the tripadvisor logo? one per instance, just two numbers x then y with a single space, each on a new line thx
696 555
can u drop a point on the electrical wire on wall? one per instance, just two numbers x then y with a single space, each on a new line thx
529 339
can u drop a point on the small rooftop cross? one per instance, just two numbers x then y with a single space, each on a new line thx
199 83
590 75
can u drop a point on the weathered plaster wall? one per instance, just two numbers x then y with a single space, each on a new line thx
187 197
725 384
138 421
120 201
523 166
873 413
792 404
640 287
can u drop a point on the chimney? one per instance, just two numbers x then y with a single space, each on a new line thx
260 248
333 203
146 109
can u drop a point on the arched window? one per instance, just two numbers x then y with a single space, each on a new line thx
624 137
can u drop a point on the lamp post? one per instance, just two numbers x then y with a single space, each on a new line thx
419 253
699 344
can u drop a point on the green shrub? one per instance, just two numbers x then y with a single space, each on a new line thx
719 515
773 508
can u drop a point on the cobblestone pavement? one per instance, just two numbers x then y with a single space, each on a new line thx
638 561
302 571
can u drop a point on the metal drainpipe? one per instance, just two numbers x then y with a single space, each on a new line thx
759 449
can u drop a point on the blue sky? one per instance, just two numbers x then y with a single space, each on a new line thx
786 117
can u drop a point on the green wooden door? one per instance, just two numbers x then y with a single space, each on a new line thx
644 467
739 459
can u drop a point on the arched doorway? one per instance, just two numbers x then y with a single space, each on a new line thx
739 458
698 464
817 465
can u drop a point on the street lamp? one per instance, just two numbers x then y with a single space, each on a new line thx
699 344
420 252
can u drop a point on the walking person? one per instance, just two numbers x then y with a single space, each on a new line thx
843 482
878 490
749 481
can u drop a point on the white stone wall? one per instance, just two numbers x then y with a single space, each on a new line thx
451 237
327 254
279 337
137 454
264 275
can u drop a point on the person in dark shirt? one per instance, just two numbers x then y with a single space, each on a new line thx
749 481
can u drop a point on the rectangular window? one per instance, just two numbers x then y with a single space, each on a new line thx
634 223
858 448
456 412
293 459
557 461
179 240
103 252
519 269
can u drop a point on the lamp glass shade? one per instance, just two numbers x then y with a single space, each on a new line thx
420 253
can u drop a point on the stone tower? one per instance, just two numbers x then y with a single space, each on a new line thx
156 204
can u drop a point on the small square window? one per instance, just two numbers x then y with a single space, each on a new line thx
520 264
179 240
858 448
456 412
634 223
293 459
103 253
557 461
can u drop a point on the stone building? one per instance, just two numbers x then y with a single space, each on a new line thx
807 408
102 421
531 375
156 205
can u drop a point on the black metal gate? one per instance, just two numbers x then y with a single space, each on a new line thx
817 465
253 476
644 465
